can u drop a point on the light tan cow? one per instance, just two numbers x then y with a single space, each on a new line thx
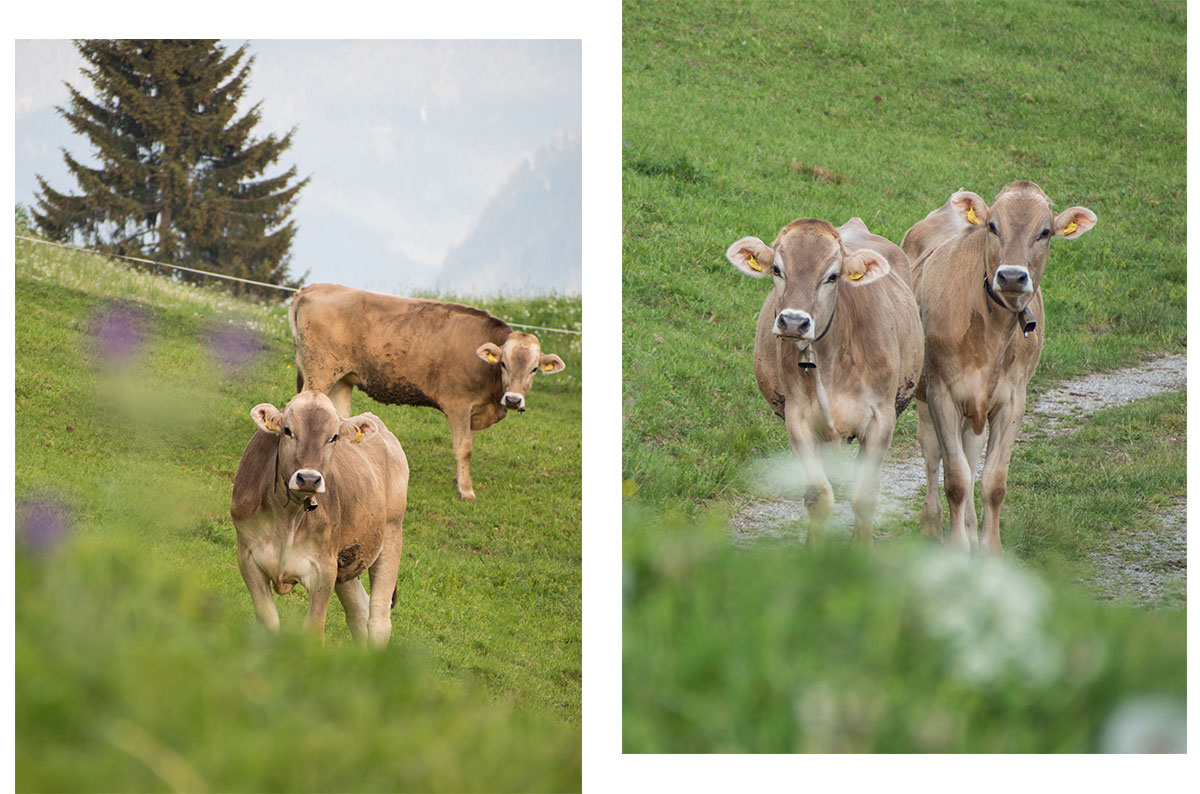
458 359
837 351
317 500
978 272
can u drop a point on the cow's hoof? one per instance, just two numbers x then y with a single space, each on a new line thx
468 496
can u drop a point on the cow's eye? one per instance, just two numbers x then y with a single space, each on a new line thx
335 438
832 278
775 271
287 431
1045 234
503 365
992 228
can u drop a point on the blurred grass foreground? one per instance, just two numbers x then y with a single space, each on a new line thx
139 664
906 648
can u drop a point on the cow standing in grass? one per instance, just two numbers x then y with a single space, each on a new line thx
977 273
317 500
837 351
460 360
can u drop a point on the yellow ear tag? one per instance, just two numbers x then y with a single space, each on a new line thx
972 218
854 276
1070 227
753 263
548 367
492 357
357 437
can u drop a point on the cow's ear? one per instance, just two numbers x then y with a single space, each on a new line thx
551 363
864 266
1073 222
970 207
489 353
751 256
267 417
356 428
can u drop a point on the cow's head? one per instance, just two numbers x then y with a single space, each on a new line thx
308 428
808 264
518 361
1020 224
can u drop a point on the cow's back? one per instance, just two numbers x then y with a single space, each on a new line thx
400 351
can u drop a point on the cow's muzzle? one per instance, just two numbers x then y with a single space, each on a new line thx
513 401
307 481
1012 279
793 324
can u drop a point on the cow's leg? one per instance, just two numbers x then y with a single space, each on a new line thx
956 471
320 593
462 438
260 588
340 393
931 450
872 445
383 585
1004 427
818 497
357 606
972 444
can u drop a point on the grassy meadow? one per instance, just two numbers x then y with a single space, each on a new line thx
139 663
740 119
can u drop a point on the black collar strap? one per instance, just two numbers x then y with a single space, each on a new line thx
807 360
1024 317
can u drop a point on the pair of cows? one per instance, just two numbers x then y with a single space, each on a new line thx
320 496
856 327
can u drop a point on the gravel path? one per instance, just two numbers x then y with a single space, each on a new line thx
1148 565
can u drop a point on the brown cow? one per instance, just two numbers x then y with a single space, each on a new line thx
460 360
317 500
978 281
837 352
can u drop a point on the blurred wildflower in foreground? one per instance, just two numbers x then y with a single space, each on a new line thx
1146 725
43 524
232 345
117 332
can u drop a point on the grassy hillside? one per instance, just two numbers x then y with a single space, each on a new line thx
139 663
739 119
736 123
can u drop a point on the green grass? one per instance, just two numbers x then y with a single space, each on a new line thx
735 123
139 659
904 649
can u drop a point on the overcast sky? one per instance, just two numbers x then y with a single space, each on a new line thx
406 141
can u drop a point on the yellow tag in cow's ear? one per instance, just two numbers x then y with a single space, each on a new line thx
357 436
492 357
972 218
1070 227
548 367
854 276
753 263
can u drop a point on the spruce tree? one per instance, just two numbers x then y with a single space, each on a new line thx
180 179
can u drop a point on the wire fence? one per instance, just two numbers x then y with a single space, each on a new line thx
233 278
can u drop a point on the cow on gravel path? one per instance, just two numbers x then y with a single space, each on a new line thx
837 351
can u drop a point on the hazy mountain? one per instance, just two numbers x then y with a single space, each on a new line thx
528 239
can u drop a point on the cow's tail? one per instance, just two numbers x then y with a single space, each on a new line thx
293 322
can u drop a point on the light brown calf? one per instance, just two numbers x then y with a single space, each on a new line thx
837 351
978 271
458 359
317 500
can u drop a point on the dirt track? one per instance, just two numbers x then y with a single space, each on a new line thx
1148 565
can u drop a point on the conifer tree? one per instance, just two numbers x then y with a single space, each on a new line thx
180 179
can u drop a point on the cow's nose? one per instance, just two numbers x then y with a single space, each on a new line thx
791 322
514 401
308 480
1013 278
